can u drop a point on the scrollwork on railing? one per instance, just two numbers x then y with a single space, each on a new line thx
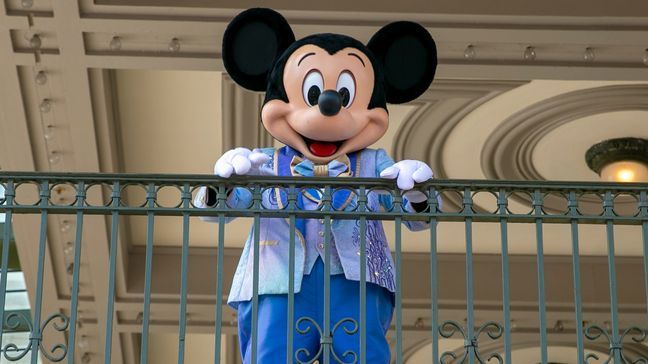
304 331
448 328
56 353
61 327
348 325
615 354
12 321
349 331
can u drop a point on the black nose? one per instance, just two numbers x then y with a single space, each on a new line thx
330 102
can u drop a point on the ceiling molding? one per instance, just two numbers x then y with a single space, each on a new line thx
499 40
105 107
508 152
438 111
469 7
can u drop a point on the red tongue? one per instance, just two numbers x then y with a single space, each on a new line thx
322 149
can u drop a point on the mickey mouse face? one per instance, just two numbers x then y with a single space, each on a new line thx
327 113
326 94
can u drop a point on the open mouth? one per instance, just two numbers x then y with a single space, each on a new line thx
322 149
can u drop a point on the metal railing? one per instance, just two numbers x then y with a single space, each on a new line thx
574 204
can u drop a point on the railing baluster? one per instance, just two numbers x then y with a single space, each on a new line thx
36 334
399 294
470 319
608 206
432 201
363 275
80 194
398 206
114 230
255 276
9 201
643 208
148 267
218 321
292 203
184 262
502 201
573 211
327 340
542 314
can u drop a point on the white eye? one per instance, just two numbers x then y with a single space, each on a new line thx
346 88
312 87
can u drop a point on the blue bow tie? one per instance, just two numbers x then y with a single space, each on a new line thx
306 168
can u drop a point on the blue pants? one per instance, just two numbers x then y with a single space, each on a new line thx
309 302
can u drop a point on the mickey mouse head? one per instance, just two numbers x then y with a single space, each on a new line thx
327 94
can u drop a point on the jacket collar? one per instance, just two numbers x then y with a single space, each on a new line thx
282 159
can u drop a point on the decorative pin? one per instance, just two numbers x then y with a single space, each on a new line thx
589 55
470 52
115 43
41 78
35 42
45 106
174 45
529 53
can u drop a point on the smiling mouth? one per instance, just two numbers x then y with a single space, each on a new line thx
322 149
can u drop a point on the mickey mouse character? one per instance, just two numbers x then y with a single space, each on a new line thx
326 99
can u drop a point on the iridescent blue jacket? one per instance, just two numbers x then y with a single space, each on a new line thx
275 235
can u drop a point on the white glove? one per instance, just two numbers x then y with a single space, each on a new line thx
242 161
407 173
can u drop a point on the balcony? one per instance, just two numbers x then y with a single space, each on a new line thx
564 300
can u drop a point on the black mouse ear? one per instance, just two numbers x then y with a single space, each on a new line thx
251 44
408 55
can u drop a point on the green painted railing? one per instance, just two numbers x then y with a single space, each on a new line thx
574 204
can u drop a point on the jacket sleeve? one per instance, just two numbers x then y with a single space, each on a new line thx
382 162
237 198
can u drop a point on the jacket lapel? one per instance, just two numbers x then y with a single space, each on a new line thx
283 157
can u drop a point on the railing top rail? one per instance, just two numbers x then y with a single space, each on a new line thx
198 179
517 201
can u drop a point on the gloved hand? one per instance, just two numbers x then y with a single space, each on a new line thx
407 173
242 161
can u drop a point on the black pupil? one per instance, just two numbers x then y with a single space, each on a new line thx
346 96
313 95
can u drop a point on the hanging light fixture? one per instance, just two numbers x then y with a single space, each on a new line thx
619 160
